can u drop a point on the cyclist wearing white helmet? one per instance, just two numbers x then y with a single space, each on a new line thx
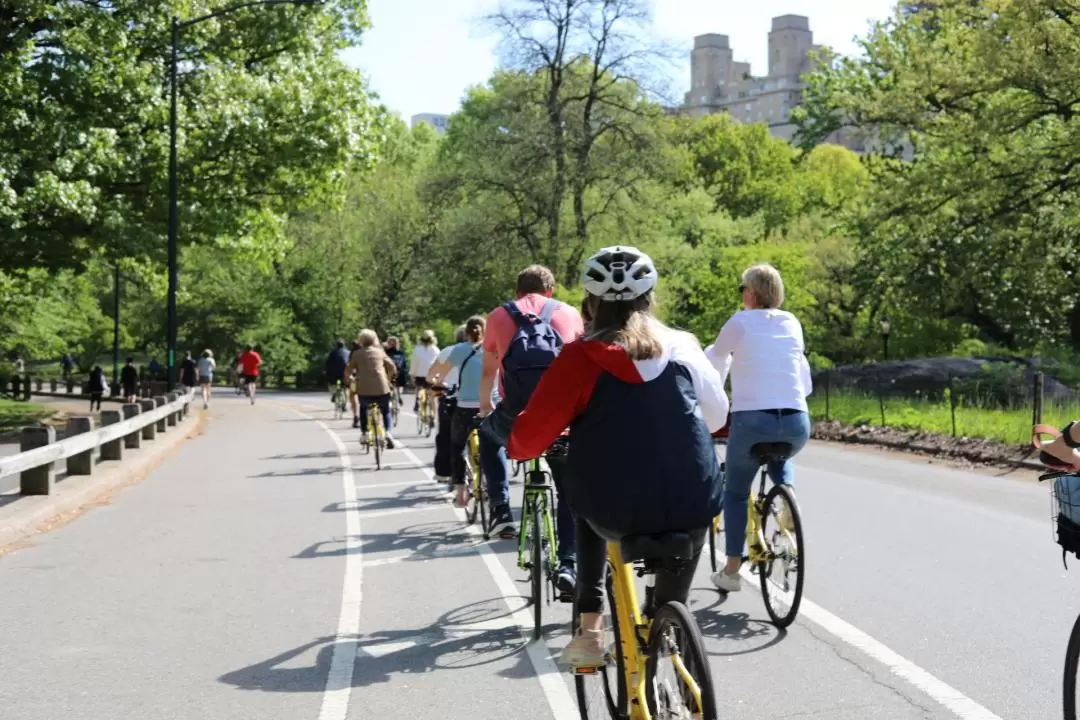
641 401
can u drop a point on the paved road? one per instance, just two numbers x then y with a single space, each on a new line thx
268 572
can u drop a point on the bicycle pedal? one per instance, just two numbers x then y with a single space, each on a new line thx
586 670
565 597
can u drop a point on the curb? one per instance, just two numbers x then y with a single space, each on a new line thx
929 451
29 516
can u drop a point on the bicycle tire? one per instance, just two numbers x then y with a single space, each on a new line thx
782 620
376 424
691 647
536 574
617 702
1072 662
713 560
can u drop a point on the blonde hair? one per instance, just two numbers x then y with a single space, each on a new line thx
367 338
208 353
629 323
765 282
427 337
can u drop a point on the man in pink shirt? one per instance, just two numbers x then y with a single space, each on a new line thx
535 285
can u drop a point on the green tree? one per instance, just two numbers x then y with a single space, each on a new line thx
269 116
978 227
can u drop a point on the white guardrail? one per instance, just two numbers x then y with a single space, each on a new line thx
168 414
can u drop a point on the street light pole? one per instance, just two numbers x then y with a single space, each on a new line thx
116 327
177 25
886 328
173 219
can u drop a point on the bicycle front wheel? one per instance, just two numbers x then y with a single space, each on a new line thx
783 575
602 693
537 571
686 691
1072 661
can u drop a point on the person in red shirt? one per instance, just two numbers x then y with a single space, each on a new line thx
249 370
535 286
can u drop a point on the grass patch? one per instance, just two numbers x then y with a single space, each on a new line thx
1008 425
14 414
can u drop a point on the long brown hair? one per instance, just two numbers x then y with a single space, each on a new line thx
474 328
627 322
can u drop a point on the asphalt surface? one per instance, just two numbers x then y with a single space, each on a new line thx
261 574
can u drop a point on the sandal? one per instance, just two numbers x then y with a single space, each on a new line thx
1051 461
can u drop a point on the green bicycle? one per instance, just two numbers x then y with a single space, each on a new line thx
537 542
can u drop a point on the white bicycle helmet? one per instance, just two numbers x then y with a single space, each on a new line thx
620 272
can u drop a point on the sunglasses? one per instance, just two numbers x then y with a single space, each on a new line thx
742 289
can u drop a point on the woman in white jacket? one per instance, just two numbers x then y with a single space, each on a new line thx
762 347
423 357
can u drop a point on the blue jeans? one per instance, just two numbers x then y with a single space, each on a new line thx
749 428
383 402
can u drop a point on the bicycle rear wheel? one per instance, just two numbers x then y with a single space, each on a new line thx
602 693
714 537
674 634
783 575
1072 661
377 429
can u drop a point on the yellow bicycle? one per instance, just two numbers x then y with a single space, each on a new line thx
425 418
375 437
630 685
776 549
478 501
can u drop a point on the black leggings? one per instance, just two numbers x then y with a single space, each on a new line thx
592 561
460 427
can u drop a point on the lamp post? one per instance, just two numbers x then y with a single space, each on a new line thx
886 328
177 26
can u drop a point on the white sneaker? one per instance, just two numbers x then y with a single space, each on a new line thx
727 583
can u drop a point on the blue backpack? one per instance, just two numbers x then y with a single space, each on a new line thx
534 347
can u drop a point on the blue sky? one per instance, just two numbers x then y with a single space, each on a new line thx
421 55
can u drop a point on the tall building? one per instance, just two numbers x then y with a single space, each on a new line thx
720 84
433 119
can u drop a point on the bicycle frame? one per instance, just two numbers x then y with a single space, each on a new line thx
540 494
633 638
474 459
755 538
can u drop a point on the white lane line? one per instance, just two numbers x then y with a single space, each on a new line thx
555 689
944 694
339 680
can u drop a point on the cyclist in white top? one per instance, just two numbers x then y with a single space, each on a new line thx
206 367
423 356
762 347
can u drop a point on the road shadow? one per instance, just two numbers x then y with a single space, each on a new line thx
473 635
421 542
738 632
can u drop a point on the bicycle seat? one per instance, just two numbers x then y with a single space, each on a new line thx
658 547
771 452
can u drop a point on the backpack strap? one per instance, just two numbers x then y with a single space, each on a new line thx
476 349
548 311
516 315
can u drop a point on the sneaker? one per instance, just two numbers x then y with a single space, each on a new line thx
566 579
389 441
502 522
727 583
586 650
356 421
